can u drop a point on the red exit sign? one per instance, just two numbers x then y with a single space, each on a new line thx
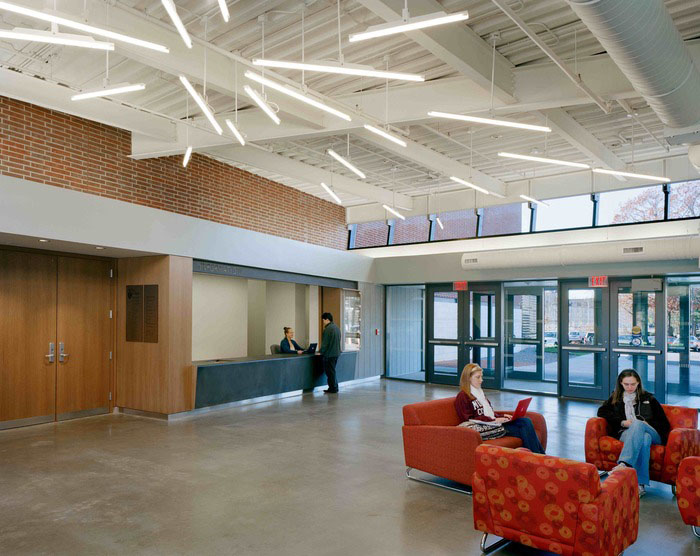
459 286
598 282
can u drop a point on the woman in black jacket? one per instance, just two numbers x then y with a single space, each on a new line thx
636 418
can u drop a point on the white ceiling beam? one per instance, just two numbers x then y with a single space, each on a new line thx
455 44
306 173
110 112
435 161
578 136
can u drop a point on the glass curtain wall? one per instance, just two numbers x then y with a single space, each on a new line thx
531 336
405 336
683 341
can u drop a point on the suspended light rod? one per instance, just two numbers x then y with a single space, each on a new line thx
408 24
344 69
490 121
109 91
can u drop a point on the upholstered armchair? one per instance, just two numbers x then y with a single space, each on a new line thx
688 492
433 443
602 450
553 504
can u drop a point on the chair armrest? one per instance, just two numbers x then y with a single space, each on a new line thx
609 523
688 490
596 428
681 444
481 509
540 424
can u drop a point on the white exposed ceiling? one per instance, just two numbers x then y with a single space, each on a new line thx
455 59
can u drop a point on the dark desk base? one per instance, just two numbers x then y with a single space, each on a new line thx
232 381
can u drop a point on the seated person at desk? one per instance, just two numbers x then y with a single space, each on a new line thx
288 345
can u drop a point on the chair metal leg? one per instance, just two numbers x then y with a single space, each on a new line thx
695 531
494 546
673 490
435 483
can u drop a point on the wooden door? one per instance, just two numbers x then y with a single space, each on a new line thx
27 327
83 331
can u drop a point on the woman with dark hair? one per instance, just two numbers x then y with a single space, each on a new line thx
636 418
472 405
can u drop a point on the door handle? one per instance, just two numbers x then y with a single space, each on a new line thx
61 355
51 355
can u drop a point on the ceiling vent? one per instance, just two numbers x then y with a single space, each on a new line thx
466 260
632 250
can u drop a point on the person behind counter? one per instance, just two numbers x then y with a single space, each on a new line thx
288 345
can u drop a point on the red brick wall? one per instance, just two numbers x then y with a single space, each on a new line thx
57 149
415 229
371 234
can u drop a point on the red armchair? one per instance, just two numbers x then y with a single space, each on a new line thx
553 504
603 450
433 443
688 492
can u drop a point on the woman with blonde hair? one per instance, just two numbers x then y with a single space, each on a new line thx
473 405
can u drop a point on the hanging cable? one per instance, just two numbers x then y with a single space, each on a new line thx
493 70
340 46
235 86
303 9
204 92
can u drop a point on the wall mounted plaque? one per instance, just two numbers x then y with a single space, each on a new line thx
150 313
134 313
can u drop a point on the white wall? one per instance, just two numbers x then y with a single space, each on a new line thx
256 318
314 315
280 309
219 317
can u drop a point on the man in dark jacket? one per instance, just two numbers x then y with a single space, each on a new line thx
330 351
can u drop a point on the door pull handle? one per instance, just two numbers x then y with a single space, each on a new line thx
51 355
61 355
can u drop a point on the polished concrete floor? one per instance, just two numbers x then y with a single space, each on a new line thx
300 476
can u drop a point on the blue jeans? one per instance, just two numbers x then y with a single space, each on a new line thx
636 450
524 430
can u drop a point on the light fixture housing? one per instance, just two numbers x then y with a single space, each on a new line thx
62 21
394 212
631 175
224 10
489 121
379 131
544 160
109 91
335 67
64 39
296 94
471 185
187 156
533 200
331 193
408 24
437 219
235 132
347 164
202 105
169 6
261 103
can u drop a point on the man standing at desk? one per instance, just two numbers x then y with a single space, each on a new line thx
330 351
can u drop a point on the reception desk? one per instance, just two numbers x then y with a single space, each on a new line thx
224 381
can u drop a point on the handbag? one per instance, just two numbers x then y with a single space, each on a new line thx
487 432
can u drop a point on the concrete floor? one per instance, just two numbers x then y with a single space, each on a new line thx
307 475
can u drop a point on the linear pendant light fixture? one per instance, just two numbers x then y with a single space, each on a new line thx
81 27
489 121
468 184
257 99
34 35
224 10
385 134
347 164
179 25
296 94
186 158
109 91
331 193
630 175
344 69
544 160
235 132
533 200
437 219
202 105
394 212
408 24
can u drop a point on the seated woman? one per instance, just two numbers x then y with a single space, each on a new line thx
288 345
636 418
471 403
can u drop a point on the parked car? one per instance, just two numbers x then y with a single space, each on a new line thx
575 337
551 339
694 343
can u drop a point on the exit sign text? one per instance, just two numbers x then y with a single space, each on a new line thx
598 282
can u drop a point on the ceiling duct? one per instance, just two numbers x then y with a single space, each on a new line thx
680 248
643 41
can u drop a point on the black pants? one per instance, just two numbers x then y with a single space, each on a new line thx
329 369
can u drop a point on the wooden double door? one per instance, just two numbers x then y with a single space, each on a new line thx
55 337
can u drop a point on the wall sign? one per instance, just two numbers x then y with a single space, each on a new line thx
460 286
597 281
142 313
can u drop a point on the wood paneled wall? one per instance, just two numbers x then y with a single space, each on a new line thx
157 377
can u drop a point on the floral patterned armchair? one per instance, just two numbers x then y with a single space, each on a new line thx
603 450
688 492
553 504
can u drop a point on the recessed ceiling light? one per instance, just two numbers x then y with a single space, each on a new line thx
44 240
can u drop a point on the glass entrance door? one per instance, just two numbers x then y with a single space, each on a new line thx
584 341
463 327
